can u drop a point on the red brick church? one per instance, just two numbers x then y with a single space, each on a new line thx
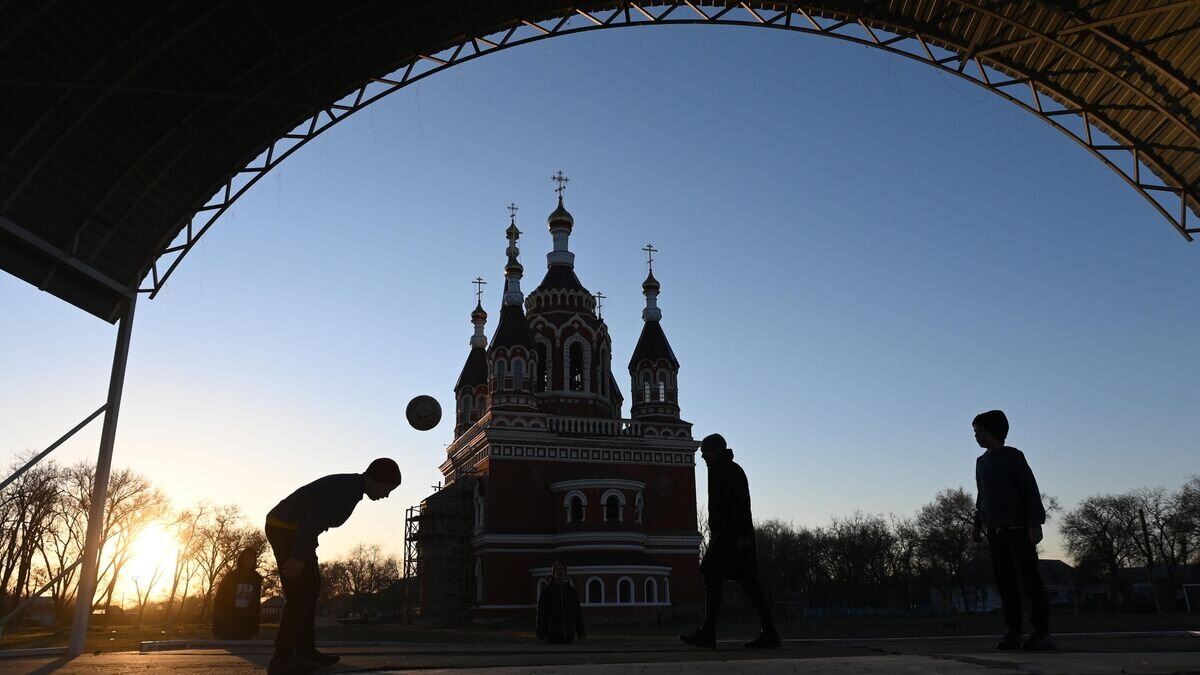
544 467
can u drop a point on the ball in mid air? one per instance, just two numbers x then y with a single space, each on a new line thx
423 412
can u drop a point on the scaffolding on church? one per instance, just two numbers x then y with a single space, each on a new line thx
437 557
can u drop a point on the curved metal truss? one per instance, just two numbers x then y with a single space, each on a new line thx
1032 91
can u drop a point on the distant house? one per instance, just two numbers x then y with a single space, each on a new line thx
1065 586
272 610
1137 582
39 612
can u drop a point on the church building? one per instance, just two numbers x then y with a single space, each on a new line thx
543 466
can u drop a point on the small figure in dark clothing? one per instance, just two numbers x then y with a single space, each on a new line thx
292 528
238 605
559 618
731 551
1009 511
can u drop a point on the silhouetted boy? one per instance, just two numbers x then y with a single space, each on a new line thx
238 605
292 528
731 551
559 618
1008 510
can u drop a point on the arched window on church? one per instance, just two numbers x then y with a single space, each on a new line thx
647 377
651 590
625 590
613 503
499 373
541 371
464 408
595 591
662 385
518 373
576 506
575 366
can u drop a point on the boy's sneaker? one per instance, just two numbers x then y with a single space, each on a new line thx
1039 642
700 639
319 658
290 665
1011 641
765 640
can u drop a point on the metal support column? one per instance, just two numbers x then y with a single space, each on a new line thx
87 579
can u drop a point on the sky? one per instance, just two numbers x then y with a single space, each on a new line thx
858 254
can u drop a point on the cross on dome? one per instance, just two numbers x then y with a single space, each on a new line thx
479 284
562 183
650 251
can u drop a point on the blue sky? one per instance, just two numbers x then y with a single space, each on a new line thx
858 254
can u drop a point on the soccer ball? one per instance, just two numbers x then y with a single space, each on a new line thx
423 412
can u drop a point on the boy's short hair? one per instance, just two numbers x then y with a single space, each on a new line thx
994 422
385 470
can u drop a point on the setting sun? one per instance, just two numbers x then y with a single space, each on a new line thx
152 552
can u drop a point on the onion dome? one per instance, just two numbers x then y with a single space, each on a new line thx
561 218
478 315
651 284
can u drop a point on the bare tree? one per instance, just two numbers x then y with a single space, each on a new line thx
184 527
369 571
28 513
944 536
1097 533
142 587
132 506
221 536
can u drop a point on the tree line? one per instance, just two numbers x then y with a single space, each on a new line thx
869 560
43 524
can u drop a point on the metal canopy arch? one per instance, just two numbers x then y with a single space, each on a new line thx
131 133
126 134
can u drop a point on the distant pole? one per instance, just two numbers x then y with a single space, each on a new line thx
1149 560
87 578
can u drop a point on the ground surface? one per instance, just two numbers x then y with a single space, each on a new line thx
1087 644
1162 653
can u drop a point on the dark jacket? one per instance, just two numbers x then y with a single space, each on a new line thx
237 606
1008 494
729 522
559 618
324 503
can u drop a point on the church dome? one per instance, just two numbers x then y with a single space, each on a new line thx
561 217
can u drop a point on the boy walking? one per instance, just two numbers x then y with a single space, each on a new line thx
1009 512
731 550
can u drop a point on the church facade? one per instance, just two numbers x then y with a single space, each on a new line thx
552 470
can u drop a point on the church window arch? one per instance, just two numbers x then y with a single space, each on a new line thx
544 367
595 591
577 364
650 593
575 504
625 591
518 368
613 502
499 370
464 407
662 385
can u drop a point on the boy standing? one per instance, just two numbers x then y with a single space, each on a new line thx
1008 510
